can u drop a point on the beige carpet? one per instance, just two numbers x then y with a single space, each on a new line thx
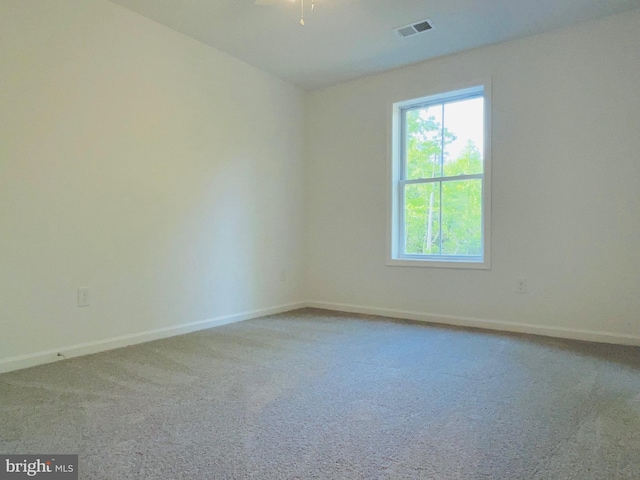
313 394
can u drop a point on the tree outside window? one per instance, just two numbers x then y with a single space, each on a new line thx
441 177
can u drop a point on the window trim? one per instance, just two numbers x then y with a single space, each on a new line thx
395 154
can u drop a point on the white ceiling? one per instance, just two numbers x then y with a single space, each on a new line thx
346 39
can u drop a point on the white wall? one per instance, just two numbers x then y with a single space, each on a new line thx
565 197
168 178
158 172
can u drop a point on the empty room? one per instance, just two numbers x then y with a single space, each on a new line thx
320 239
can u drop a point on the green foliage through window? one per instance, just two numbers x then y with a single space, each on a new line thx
442 178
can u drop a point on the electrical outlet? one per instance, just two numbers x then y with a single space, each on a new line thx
84 298
521 285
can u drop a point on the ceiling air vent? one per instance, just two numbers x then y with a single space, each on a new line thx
414 28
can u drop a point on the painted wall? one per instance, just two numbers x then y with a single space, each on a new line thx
565 196
158 172
169 179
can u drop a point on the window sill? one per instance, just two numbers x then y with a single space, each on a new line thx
406 262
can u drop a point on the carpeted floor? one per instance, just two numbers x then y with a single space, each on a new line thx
318 395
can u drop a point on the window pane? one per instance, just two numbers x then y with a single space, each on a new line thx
464 137
462 217
422 218
423 142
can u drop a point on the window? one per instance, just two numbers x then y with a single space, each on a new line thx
440 180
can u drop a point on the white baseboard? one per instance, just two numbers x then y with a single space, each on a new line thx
547 331
69 351
39 358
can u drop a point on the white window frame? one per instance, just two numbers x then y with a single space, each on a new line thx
395 221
